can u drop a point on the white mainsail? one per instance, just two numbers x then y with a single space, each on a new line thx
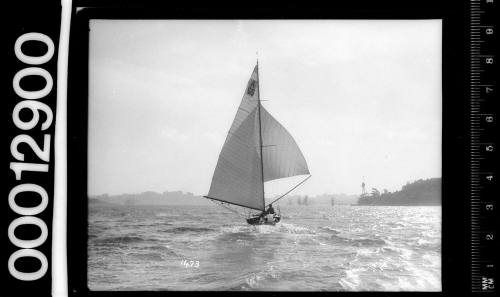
241 169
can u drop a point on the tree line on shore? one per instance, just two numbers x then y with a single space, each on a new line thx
419 192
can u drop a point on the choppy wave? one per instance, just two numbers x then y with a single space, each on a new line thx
163 249
348 249
189 229
119 240
146 256
355 242
367 242
329 230
429 244
266 229
295 229
407 277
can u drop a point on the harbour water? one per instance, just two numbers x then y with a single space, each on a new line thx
314 248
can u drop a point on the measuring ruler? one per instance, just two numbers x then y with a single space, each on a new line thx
482 146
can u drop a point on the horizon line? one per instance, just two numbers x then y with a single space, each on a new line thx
201 195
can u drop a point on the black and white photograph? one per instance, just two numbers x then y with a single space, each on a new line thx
264 155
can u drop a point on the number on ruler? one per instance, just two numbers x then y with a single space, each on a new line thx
488 90
489 148
489 177
489 60
489 206
489 236
489 119
489 31
489 1
488 283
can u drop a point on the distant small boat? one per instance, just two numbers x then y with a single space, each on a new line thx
305 201
257 149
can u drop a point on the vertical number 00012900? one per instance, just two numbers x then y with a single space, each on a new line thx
32 101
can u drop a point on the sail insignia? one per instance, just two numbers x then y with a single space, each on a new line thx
251 87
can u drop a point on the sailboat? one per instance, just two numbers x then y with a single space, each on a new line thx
257 149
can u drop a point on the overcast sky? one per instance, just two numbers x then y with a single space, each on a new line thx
361 98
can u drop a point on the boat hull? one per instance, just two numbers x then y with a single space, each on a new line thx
258 221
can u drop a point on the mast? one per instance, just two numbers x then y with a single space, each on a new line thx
235 169
260 137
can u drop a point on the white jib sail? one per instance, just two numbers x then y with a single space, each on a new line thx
281 154
238 175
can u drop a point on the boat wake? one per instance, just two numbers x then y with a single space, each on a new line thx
295 229
267 229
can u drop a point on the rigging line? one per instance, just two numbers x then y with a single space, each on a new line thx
245 206
228 208
290 190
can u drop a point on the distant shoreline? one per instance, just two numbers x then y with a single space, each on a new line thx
98 202
418 193
186 198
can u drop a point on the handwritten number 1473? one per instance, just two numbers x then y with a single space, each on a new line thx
191 263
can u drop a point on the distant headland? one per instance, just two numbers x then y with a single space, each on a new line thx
420 192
